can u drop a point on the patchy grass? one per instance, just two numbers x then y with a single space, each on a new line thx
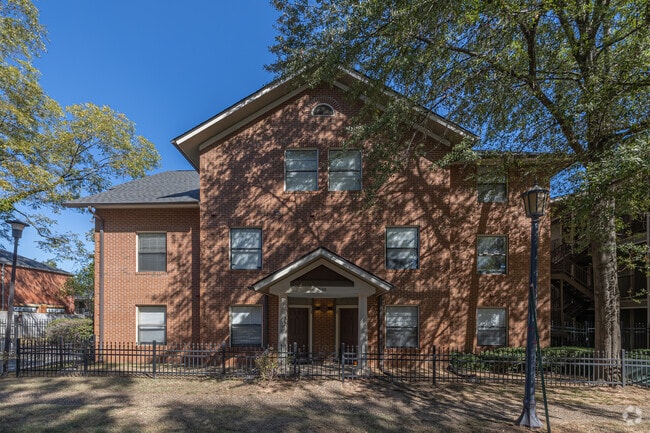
118 404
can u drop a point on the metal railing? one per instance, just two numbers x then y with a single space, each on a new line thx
582 335
37 358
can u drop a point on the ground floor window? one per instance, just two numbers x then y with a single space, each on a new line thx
492 327
401 326
152 324
246 325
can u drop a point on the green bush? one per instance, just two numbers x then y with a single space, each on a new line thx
68 329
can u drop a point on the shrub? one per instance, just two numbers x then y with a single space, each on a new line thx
68 329
267 365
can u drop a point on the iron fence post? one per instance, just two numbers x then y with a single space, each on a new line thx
85 355
223 359
154 359
433 364
342 362
623 367
18 357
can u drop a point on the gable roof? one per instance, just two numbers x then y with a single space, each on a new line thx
319 257
170 188
6 258
191 143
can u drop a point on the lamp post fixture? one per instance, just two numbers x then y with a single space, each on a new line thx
16 232
535 205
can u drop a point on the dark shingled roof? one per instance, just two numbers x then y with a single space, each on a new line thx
6 258
166 188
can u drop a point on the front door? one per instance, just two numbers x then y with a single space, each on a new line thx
349 327
298 327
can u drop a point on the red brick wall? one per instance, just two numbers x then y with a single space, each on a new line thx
242 185
38 288
125 288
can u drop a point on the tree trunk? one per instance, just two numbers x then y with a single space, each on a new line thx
605 281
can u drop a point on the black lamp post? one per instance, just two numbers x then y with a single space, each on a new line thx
17 232
535 205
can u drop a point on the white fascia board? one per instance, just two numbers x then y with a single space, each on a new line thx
265 109
430 115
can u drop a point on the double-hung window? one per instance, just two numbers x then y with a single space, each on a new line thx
152 252
492 327
402 248
152 324
401 326
245 248
491 184
492 254
246 326
301 170
345 170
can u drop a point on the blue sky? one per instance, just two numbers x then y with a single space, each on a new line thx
167 65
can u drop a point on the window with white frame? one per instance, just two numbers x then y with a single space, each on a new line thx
401 326
491 184
492 254
245 248
491 329
402 248
152 324
323 110
152 252
344 170
300 170
246 326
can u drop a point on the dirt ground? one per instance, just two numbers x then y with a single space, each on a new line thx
113 404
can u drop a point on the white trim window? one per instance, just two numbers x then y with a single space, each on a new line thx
491 327
323 109
152 324
246 326
300 170
245 248
402 248
152 252
344 170
492 184
402 326
492 254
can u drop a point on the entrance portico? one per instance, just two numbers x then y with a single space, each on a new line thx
321 274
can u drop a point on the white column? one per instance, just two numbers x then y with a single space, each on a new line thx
283 323
362 348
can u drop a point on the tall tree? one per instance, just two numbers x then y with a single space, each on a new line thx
50 154
570 79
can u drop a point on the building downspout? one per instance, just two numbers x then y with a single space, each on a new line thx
101 275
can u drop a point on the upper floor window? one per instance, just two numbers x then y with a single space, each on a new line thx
401 326
491 327
245 248
152 252
345 170
491 184
402 248
322 110
492 254
301 170
152 324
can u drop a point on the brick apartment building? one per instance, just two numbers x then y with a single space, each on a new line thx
270 241
39 288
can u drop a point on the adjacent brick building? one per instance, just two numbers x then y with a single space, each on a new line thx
39 288
270 241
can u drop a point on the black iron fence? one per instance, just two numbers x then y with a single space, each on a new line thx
37 358
582 335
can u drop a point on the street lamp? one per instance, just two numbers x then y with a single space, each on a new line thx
535 204
17 232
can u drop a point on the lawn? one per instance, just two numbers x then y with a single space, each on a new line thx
123 404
